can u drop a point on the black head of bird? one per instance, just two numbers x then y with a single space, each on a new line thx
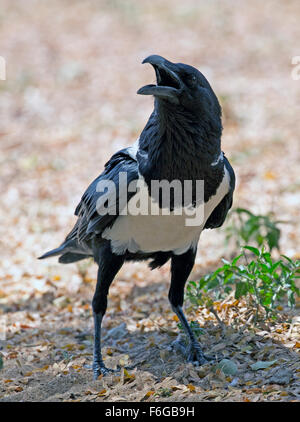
185 88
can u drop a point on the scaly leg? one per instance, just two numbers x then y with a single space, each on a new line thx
181 266
109 265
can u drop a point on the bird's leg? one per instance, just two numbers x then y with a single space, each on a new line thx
109 265
193 352
98 364
181 266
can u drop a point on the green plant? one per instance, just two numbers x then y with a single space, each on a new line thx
163 392
195 327
263 280
247 228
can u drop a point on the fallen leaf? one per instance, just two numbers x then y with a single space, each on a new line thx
218 347
76 366
12 355
269 175
124 360
88 280
253 390
284 393
191 387
127 376
297 345
262 365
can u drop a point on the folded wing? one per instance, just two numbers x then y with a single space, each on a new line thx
78 243
217 217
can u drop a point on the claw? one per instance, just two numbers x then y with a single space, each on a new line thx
193 352
101 369
195 355
210 358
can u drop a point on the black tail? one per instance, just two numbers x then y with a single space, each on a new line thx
58 251
69 257
69 252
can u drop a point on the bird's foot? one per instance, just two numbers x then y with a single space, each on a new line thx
195 355
192 352
100 369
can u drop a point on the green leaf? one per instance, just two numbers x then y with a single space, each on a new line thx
252 249
241 289
247 227
236 259
262 365
244 211
267 257
288 259
275 265
1 362
273 237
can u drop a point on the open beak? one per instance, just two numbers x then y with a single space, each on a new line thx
169 85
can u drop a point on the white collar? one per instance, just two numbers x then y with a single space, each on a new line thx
220 158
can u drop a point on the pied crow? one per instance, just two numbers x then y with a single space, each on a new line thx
181 142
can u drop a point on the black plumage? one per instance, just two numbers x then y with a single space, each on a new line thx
181 141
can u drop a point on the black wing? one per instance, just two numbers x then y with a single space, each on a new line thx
90 222
217 217
77 244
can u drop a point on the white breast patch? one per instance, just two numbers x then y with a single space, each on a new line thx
153 233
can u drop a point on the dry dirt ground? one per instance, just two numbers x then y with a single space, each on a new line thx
67 104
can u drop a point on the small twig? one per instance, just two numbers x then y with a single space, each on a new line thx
290 330
246 258
242 329
221 323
